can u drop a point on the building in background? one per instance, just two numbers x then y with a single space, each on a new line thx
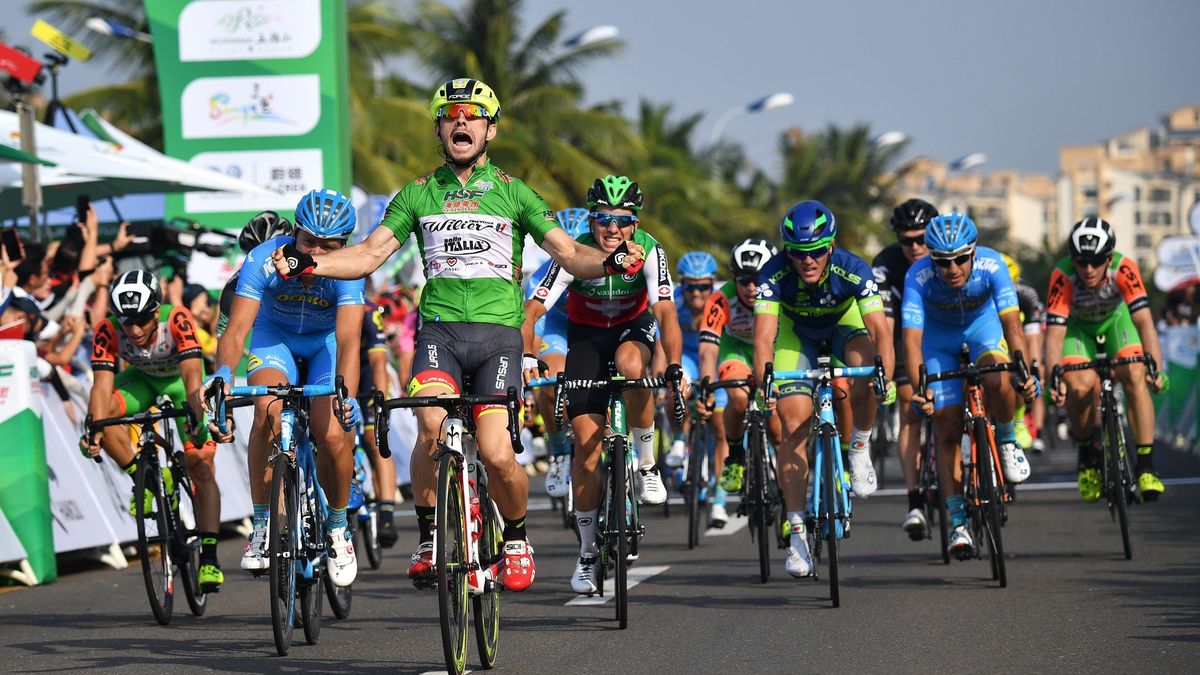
1144 182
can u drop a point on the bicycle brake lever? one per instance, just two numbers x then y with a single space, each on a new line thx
514 417
381 425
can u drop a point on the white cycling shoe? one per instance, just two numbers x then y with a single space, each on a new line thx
797 560
583 581
340 559
915 524
650 486
1016 466
677 454
961 545
718 515
862 471
558 476
255 558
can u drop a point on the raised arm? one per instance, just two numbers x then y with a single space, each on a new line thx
352 262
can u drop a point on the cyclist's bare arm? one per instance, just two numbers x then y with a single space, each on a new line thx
765 328
582 261
877 327
192 373
1014 333
1143 320
534 310
378 360
708 360
349 336
233 340
912 354
668 326
353 262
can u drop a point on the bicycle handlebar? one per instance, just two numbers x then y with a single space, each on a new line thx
247 393
1060 369
615 386
449 403
971 370
91 428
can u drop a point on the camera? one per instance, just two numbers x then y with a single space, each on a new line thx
172 243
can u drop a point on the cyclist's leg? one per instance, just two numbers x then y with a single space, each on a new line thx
985 339
132 394
335 445
498 369
635 346
1082 404
732 415
436 370
270 363
553 352
198 457
853 346
940 347
795 411
1126 342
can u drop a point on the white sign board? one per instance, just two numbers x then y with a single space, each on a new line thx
236 107
225 30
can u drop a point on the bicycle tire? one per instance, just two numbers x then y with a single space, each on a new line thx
760 499
340 597
1115 476
618 451
662 447
312 541
991 497
187 541
368 531
154 549
943 517
829 496
697 458
282 551
485 608
451 524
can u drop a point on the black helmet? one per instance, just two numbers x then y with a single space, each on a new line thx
262 227
1091 237
913 214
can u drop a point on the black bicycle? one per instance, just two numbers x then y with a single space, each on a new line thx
618 528
931 492
167 534
700 476
1120 487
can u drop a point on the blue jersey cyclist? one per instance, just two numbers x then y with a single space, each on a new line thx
809 294
320 321
697 274
552 351
961 294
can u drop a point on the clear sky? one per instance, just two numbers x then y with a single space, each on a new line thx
1014 79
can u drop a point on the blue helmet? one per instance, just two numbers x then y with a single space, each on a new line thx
951 234
808 225
697 265
574 220
327 214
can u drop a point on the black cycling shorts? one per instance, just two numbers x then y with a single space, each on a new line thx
591 354
488 354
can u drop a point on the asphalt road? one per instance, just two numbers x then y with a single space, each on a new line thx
1073 604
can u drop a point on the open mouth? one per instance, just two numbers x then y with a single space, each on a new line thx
461 139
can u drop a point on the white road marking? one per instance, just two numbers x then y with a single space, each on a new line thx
732 526
636 576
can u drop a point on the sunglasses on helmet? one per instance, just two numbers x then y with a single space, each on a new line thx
473 111
606 219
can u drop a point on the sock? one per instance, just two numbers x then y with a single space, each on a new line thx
1088 457
208 548
1145 458
261 513
425 516
957 506
796 520
1019 415
514 529
859 440
337 518
1006 432
914 500
737 453
643 440
586 522
558 444
720 496
387 511
130 467
678 435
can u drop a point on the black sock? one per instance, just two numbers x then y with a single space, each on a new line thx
514 529
425 516
1145 458
208 548
386 511
1088 457
914 500
737 453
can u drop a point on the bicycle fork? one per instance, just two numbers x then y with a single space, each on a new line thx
479 579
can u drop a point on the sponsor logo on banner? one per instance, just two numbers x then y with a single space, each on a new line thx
290 172
234 107
221 30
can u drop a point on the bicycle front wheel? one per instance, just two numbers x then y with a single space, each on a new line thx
312 545
154 538
187 544
486 605
368 535
619 527
282 550
829 496
697 481
1116 473
758 492
990 499
451 551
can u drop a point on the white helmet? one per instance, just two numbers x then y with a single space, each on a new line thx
134 293
1091 237
750 256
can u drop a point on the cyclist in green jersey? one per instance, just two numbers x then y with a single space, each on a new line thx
470 219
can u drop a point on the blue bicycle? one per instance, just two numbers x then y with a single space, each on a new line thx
298 508
829 510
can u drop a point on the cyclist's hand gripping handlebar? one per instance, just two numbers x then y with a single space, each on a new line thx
674 377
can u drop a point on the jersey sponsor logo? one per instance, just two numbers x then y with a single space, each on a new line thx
451 261
629 277
465 246
765 292
484 185
253 362
309 299
841 272
987 264
464 224
664 276
502 373
542 292
664 292
461 206
881 274
925 275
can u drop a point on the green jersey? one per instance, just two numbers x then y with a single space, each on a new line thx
470 237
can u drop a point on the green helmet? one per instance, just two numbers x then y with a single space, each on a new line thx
616 192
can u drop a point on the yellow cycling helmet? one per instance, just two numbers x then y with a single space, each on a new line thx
465 90
1014 268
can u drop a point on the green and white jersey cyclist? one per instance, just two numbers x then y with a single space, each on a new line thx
812 293
470 219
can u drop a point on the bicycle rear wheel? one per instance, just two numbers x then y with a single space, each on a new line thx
154 543
368 535
486 606
312 544
451 552
990 498
1115 475
697 481
617 451
187 545
758 492
829 498
282 550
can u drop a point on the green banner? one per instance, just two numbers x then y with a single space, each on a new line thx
257 90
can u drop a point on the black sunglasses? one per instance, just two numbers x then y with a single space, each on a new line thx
947 262
1092 261
139 319
690 288
918 240
746 279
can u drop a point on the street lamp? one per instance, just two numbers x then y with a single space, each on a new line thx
776 100
591 36
107 27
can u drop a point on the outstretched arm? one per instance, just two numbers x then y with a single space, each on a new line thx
352 262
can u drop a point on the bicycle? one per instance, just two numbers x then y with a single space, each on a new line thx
618 529
930 489
174 541
1115 471
468 533
983 482
363 516
564 505
829 514
700 476
296 546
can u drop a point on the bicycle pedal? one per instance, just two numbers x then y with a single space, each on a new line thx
424 584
